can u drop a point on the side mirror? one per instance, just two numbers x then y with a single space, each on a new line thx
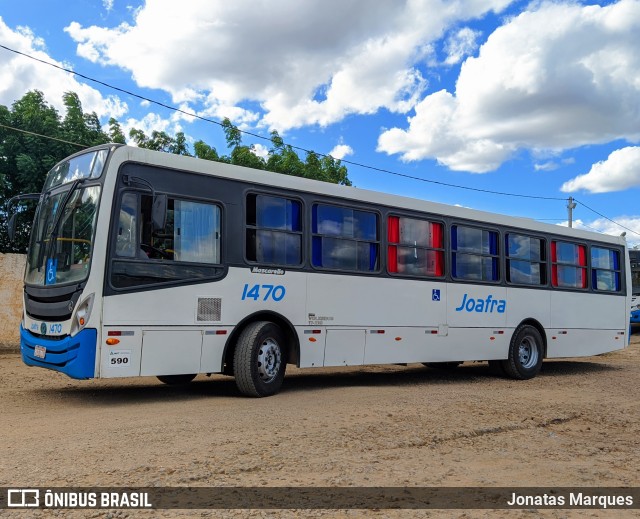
159 213
11 227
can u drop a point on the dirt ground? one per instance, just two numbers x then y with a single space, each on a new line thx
576 424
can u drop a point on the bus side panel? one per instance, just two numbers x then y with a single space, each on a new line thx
409 345
477 306
528 304
583 343
406 345
311 346
362 301
171 352
590 311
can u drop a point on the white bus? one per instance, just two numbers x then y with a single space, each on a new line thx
151 264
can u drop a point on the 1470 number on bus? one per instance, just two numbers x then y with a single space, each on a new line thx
263 292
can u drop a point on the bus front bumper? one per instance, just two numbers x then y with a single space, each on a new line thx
73 356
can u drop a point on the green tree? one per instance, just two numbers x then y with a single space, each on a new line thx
26 158
179 145
79 127
115 132
31 146
203 151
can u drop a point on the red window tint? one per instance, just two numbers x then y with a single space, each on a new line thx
415 247
569 265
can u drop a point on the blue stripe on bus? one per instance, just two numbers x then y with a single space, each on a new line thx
73 356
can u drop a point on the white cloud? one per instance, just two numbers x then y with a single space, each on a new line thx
460 45
19 74
546 166
601 225
260 150
554 78
620 171
341 151
302 62
149 123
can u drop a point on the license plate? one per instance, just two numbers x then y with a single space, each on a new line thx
40 352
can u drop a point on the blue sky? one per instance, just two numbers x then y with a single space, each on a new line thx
535 98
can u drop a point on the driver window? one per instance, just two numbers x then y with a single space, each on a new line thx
192 232
187 249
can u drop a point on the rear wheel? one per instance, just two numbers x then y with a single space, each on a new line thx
259 360
525 353
176 380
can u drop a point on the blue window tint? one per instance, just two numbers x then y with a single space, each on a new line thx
277 247
474 254
568 253
344 238
524 247
274 230
525 273
605 273
277 213
525 260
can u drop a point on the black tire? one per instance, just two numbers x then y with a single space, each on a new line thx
526 353
447 366
259 361
176 380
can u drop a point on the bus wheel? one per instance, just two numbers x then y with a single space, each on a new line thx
176 380
525 353
442 365
259 361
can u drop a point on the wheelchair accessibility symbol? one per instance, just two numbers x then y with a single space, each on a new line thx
52 268
435 295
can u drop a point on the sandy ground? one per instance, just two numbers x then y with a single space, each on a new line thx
576 424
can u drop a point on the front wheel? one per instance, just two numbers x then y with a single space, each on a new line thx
259 361
525 353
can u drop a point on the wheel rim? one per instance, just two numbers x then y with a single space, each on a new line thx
528 353
269 360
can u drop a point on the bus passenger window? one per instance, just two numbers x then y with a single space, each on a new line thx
344 238
274 230
415 247
605 269
526 260
474 254
568 265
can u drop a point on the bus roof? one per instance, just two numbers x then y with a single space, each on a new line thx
123 154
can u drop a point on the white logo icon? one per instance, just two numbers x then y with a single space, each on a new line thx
23 498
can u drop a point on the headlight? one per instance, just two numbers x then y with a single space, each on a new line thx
82 314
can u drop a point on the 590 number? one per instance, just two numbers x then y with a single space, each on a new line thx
263 292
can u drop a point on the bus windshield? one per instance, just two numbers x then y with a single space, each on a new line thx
64 225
